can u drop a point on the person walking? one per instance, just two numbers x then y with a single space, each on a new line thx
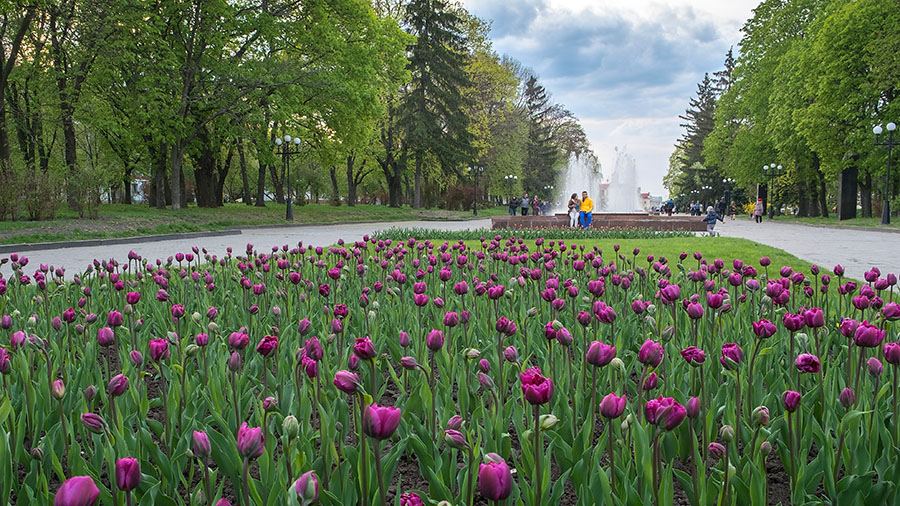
670 206
586 210
710 219
513 205
535 206
524 204
574 208
758 210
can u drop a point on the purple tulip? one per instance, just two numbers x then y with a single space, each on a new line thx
511 354
238 340
664 413
892 353
868 335
267 345
651 353
717 450
875 367
494 479
106 336
250 442
650 382
77 491
695 310
891 311
536 389
93 422
600 354
128 473
814 317
117 386
848 327
807 362
364 348
336 326
411 499
346 381
434 340
114 319
732 355
303 326
307 488
200 446
159 349
693 356
793 322
380 422
451 319
791 400
847 398
612 406
693 407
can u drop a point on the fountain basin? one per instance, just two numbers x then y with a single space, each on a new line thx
604 220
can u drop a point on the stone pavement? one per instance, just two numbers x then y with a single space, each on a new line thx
857 250
76 259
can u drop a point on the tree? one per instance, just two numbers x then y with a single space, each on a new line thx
541 154
433 110
698 122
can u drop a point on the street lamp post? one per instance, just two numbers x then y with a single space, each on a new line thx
475 172
772 171
511 180
886 209
286 153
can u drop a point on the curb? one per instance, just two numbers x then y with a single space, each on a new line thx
23 247
845 227
17 248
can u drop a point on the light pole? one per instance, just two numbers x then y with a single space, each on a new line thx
511 180
771 171
886 209
286 153
475 171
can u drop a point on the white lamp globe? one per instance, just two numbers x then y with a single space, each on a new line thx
278 141
877 130
891 127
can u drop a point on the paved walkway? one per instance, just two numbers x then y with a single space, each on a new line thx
856 250
75 260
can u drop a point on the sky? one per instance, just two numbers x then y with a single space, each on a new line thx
626 69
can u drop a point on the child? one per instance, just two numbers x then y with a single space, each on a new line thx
710 219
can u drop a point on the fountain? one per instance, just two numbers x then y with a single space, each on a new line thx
623 194
617 204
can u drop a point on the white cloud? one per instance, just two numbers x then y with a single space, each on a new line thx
626 69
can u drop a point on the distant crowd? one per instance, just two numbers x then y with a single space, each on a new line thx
538 207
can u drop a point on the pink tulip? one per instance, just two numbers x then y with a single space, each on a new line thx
128 473
250 442
807 362
77 491
495 479
791 400
380 422
612 406
364 348
536 389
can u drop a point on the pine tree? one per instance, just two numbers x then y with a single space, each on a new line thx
725 77
541 153
433 111
698 122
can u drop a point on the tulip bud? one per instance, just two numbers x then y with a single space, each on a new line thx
93 422
547 422
89 393
290 428
471 353
847 398
270 404
409 363
761 415
717 450
486 382
765 448
58 389
235 362
511 354
618 365
307 488
200 446
128 473
693 407
484 365
650 382
875 367
726 433
455 422
455 439
37 454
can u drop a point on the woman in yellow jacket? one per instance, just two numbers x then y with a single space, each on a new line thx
587 209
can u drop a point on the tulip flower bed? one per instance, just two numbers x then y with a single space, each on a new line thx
410 372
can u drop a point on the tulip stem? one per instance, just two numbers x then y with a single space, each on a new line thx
234 396
725 480
896 404
364 468
791 448
65 432
206 482
840 451
470 499
538 450
594 402
376 447
128 498
612 456
246 488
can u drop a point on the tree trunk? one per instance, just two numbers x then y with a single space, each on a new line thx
822 194
67 112
865 196
127 197
221 176
176 161
335 192
245 181
261 186
417 200
205 172
351 181
803 201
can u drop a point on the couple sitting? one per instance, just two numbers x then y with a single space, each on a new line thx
580 210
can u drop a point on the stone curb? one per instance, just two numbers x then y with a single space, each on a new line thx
23 247
18 248
843 227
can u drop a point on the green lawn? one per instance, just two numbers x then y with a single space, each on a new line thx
726 248
833 221
119 220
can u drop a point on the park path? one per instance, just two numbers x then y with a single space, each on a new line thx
76 259
856 250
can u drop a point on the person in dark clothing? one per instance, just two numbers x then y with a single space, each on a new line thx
513 205
710 219
524 203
